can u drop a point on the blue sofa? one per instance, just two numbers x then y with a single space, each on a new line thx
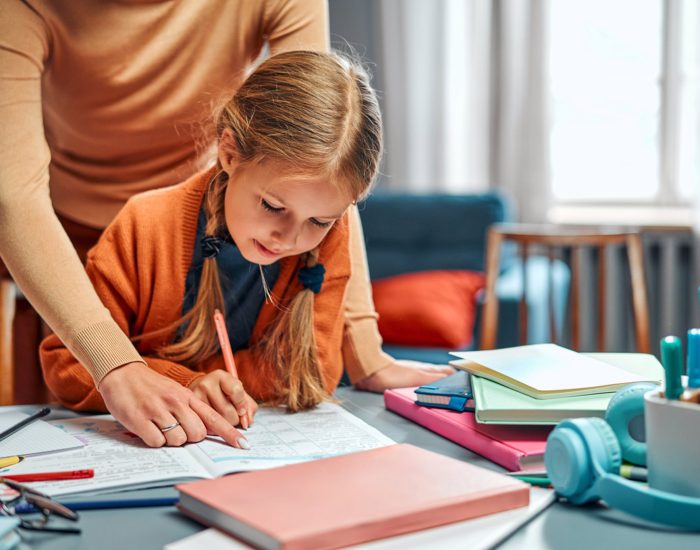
406 233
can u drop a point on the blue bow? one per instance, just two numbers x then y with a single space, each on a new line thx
312 277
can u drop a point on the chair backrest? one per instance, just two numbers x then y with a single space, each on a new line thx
410 232
7 315
566 243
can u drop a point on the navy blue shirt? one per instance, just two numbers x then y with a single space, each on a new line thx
240 285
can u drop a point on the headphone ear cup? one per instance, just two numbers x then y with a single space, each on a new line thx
625 415
578 452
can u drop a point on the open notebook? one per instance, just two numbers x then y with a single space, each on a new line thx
122 461
546 371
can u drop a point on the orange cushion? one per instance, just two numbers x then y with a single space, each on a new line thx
428 308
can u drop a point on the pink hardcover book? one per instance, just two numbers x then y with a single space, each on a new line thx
349 499
513 447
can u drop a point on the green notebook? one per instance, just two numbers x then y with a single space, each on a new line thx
497 404
546 371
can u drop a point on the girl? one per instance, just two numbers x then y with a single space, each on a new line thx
262 236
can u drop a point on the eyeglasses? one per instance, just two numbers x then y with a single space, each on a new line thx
43 504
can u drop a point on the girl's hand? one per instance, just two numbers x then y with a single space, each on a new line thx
403 373
225 394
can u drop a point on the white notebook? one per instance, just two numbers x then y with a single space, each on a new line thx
546 371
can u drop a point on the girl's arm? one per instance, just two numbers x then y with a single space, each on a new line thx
368 367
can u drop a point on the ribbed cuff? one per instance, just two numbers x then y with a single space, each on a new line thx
103 347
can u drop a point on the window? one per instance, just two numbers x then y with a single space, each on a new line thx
624 97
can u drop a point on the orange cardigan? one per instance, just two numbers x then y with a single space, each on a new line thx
138 269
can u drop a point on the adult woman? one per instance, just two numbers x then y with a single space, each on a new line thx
101 100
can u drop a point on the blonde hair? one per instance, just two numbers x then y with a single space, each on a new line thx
317 113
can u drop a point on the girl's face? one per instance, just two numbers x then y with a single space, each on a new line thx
272 213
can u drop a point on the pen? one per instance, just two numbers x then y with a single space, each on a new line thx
9 461
24 422
534 480
635 473
528 473
694 358
52 476
671 358
26 508
225 344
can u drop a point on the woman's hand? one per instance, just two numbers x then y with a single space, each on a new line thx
225 394
403 373
145 402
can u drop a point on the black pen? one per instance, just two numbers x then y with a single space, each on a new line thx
24 422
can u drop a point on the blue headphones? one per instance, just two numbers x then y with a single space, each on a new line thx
583 458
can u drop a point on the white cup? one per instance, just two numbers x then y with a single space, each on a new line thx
673 444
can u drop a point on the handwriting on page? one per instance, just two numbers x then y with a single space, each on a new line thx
279 437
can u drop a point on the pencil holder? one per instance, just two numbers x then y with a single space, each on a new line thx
673 449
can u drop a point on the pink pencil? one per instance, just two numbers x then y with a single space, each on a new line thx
225 344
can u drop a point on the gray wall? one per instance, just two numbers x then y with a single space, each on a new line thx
354 26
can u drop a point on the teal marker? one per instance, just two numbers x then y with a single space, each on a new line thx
694 358
672 360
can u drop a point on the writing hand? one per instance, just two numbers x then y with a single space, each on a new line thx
225 394
145 402
403 373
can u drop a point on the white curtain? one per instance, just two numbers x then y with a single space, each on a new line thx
486 124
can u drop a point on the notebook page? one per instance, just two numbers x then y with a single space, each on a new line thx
36 438
277 438
120 460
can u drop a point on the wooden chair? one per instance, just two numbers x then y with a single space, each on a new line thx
8 296
562 242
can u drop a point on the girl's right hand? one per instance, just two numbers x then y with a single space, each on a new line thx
145 402
225 394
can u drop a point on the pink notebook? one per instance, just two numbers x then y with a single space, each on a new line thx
513 447
349 499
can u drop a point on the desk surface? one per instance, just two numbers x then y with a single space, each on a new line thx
561 526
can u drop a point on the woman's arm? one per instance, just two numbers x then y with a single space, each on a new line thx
33 244
41 258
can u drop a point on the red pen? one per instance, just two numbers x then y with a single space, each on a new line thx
52 476
222 333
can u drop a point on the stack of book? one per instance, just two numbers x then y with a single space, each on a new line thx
503 403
